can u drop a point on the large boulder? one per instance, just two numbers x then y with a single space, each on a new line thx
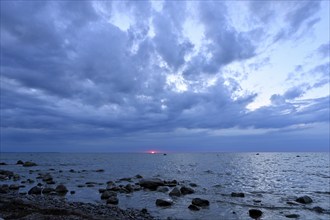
61 189
200 202
304 200
175 192
29 164
151 183
255 213
36 190
164 202
186 190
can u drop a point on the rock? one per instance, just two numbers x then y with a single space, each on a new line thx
90 185
200 202
19 162
234 194
72 192
99 170
108 194
193 207
39 184
4 189
113 200
29 164
304 200
36 190
144 210
193 184
318 209
151 183
50 182
138 176
6 174
80 186
127 179
102 190
2 163
47 177
30 181
164 202
163 189
291 203
171 183
175 192
47 190
14 187
186 190
292 216
255 213
16 177
129 188
256 200
72 171
61 189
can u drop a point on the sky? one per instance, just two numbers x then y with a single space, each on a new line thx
170 76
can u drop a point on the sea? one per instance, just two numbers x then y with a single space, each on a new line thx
270 181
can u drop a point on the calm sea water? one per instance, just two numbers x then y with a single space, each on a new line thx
272 178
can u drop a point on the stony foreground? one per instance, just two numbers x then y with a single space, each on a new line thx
31 207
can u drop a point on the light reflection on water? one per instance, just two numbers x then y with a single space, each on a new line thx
273 178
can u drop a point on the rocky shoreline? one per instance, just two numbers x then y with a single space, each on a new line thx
33 207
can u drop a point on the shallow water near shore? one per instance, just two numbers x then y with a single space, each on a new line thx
268 180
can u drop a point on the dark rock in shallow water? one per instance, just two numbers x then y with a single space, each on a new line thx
129 188
108 194
234 194
200 202
175 192
19 162
6 175
151 183
171 183
99 170
61 189
80 186
102 190
186 190
304 200
29 164
39 184
255 213
256 201
14 187
47 177
292 216
4 189
163 189
127 179
318 209
193 207
138 176
112 200
36 190
164 202
3 163
72 192
193 184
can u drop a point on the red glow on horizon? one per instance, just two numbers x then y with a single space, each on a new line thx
152 152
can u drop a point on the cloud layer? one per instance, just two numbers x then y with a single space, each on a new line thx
101 72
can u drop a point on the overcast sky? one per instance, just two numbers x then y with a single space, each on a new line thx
171 76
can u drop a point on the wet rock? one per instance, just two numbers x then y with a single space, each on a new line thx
4 189
138 176
36 190
112 200
29 164
164 202
14 187
304 200
151 183
30 181
193 207
129 188
127 179
102 190
61 189
175 192
6 174
144 210
99 170
234 194
257 201
47 177
114 188
47 190
318 209
50 182
163 189
292 216
171 183
200 202
80 186
291 203
19 162
2 163
72 171
108 194
193 184
186 190
90 185
255 213
72 192
16 177
39 184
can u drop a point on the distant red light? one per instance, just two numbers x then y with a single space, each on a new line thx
152 152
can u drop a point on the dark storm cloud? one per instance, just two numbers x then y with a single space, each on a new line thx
69 74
